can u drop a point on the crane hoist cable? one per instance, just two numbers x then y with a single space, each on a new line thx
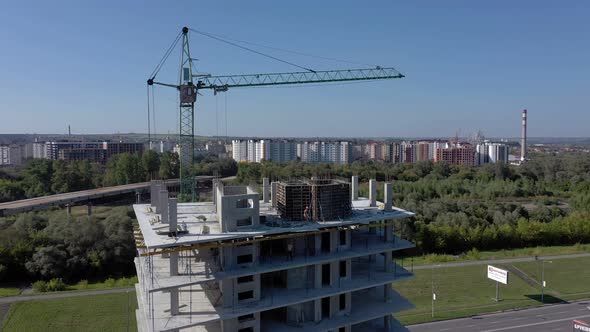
291 51
249 49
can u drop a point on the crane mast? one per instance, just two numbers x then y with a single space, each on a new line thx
188 91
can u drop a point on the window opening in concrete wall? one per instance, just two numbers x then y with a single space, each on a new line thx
245 318
342 238
326 242
342 302
342 269
326 274
242 203
243 259
246 329
244 222
276 279
245 279
246 295
326 307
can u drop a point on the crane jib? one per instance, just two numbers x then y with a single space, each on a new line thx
219 83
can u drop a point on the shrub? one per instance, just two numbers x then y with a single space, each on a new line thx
56 285
83 284
40 286
110 282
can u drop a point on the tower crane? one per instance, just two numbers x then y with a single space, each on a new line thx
189 85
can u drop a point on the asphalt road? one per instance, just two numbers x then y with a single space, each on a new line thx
550 318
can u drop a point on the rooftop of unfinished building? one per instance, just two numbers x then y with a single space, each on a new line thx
202 224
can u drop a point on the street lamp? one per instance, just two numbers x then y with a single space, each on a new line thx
432 286
543 283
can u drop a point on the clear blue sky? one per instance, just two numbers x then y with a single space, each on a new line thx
469 64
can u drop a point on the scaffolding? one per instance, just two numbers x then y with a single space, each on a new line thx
314 200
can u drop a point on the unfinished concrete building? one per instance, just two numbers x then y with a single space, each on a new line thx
244 264
313 200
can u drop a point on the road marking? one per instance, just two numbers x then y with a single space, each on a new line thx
534 324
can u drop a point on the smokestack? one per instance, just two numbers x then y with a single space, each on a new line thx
69 131
523 142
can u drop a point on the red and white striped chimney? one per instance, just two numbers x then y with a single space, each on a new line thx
523 143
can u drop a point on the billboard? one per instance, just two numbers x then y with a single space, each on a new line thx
581 326
497 274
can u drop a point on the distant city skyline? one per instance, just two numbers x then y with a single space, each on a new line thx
468 66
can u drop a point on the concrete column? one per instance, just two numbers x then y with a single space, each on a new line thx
317 310
389 233
373 192
154 190
388 258
89 208
265 190
172 216
273 194
138 197
162 208
214 193
173 263
388 196
69 209
355 187
387 322
174 301
317 275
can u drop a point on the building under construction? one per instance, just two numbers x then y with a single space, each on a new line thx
309 256
313 200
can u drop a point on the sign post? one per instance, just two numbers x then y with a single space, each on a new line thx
499 276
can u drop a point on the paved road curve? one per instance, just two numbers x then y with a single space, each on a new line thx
550 318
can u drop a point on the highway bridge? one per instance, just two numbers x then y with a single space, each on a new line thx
83 197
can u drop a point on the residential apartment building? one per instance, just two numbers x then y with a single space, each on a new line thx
488 152
11 154
338 152
463 154
283 263
255 151
99 152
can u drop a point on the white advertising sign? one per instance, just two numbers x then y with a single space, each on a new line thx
497 274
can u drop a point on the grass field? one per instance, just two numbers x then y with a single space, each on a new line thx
9 291
499 254
567 279
464 291
110 312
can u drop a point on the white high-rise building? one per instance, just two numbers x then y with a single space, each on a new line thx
11 155
255 151
240 150
488 152
326 152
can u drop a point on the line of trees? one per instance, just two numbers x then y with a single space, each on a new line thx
51 244
41 177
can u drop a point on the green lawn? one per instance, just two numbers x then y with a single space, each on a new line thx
9 291
566 278
460 291
499 254
109 312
